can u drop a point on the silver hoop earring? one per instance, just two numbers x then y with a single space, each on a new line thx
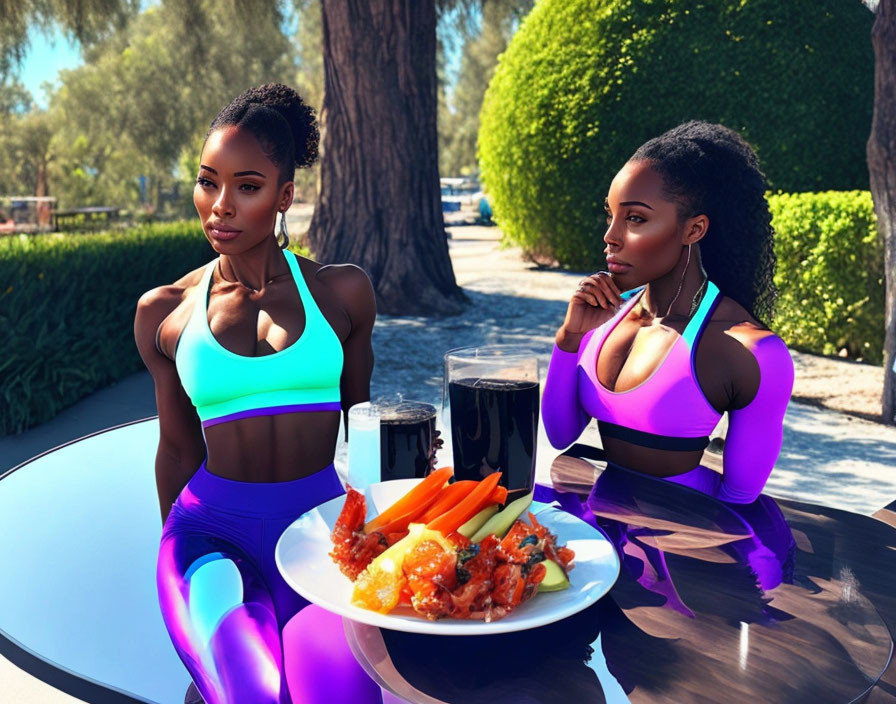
282 234
680 283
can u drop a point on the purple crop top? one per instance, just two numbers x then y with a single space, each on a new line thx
669 411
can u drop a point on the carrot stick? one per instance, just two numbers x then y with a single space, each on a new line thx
474 502
450 497
499 495
400 524
418 498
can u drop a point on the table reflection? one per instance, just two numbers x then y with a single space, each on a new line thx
715 602
776 601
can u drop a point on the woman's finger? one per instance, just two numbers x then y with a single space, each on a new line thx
602 297
615 287
608 287
592 295
585 298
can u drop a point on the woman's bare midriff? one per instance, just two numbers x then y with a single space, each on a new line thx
659 463
272 448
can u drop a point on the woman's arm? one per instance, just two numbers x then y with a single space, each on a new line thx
563 416
355 292
593 304
755 430
181 443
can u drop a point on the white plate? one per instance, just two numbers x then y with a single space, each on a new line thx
303 560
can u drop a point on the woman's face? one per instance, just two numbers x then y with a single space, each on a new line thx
237 192
644 234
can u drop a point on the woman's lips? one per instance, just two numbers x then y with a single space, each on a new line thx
223 234
617 268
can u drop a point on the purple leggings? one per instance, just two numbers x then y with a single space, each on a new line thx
242 632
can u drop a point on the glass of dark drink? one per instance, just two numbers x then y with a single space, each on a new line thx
492 395
407 439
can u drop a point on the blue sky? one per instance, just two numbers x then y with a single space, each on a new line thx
45 57
48 54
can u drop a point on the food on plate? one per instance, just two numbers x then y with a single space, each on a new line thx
500 523
417 554
468 529
555 578
379 586
400 514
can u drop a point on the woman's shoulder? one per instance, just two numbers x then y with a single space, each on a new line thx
170 295
348 284
736 323
158 303
341 276
737 352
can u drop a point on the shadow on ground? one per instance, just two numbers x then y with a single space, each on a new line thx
410 350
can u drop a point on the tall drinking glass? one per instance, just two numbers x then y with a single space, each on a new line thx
390 438
492 394
363 445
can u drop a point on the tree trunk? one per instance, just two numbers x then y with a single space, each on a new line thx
882 169
43 209
379 203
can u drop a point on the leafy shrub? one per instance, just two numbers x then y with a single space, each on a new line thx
67 305
830 273
585 82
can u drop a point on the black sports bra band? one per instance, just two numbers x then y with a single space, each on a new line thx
651 440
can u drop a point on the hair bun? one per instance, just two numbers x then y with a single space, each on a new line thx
721 145
297 113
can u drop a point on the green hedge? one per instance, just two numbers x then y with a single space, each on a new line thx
583 83
830 274
67 306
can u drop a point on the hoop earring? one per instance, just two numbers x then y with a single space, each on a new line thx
680 283
282 234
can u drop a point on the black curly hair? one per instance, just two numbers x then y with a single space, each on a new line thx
710 169
281 121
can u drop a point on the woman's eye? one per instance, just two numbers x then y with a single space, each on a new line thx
636 218
609 219
204 182
248 187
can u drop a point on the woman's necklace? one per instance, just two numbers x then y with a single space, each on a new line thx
249 288
695 301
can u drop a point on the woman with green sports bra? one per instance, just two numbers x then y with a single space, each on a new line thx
253 357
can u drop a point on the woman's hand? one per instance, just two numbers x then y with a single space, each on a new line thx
595 301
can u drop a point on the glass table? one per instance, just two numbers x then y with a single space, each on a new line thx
777 601
79 535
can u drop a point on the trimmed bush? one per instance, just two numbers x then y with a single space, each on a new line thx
67 305
585 82
830 274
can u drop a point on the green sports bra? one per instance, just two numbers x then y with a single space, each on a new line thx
226 386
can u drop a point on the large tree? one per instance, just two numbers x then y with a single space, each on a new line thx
882 169
379 203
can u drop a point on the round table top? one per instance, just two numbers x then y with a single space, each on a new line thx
778 601
772 601
79 537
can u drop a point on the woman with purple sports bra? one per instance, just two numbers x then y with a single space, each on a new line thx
253 357
674 335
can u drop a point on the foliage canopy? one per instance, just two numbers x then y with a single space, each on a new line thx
584 82
830 273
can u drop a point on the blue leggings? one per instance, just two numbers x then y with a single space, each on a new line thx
242 632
